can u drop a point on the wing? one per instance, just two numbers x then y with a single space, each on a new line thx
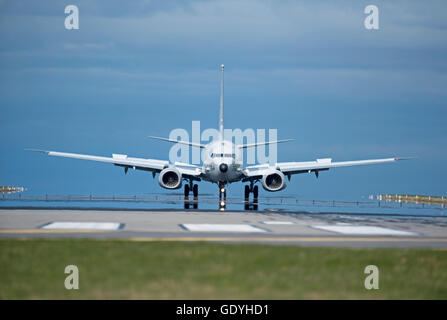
289 168
123 160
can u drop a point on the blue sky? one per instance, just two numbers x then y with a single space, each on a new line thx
308 68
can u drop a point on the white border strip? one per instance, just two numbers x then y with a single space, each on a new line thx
364 230
204 227
278 222
82 226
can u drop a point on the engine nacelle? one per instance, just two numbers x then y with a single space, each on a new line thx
170 178
274 181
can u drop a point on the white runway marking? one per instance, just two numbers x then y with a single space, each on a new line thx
83 225
278 222
204 227
364 230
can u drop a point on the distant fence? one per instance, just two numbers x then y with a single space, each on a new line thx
279 201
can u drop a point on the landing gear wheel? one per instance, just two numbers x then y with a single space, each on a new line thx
255 192
247 190
246 193
186 196
255 198
222 193
195 190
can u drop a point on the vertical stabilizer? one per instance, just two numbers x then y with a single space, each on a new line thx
221 109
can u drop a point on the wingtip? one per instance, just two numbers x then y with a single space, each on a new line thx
37 150
404 158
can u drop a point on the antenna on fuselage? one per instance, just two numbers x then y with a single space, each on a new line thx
221 109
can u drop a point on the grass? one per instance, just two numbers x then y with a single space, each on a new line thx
119 269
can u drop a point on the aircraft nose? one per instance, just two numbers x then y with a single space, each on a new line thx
223 167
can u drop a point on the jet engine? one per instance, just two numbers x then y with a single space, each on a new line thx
170 178
273 181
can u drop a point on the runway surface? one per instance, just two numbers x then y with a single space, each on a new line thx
300 228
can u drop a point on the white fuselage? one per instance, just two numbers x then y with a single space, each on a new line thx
222 162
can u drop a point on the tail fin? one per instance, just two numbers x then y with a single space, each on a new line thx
221 109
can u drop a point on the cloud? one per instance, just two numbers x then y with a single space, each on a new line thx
72 46
303 47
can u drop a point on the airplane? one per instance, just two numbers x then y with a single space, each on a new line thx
222 164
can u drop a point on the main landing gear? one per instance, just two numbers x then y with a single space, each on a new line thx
195 191
251 189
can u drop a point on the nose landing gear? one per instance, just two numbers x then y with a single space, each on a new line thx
251 189
195 190
222 197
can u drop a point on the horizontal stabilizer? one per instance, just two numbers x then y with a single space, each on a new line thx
192 144
263 143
